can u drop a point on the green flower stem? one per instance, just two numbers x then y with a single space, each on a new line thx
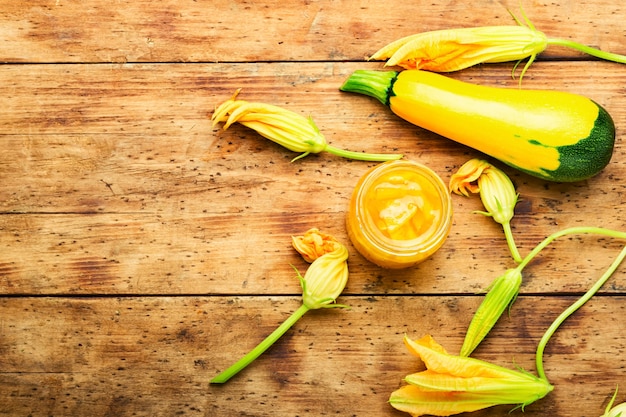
261 347
570 310
609 56
511 242
569 231
573 230
360 156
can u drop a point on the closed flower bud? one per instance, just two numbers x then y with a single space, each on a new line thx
501 294
497 193
325 279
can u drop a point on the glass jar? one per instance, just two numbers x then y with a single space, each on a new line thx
400 214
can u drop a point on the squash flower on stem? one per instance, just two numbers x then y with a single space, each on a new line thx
453 384
456 384
499 197
322 283
497 193
504 290
284 127
455 49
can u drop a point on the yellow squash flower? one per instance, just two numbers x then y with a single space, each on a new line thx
465 180
453 384
327 276
322 283
497 193
284 127
455 49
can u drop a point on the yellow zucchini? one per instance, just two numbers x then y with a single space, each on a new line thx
552 135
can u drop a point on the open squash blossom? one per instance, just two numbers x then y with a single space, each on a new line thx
453 384
284 127
322 283
455 49
497 193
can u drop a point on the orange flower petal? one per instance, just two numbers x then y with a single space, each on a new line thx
314 244
464 180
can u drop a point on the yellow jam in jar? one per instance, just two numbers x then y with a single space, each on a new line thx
400 214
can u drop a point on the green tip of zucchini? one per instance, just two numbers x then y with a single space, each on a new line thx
588 156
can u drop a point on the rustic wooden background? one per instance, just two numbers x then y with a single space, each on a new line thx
143 250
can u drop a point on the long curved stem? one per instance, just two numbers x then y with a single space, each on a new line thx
261 347
570 310
569 231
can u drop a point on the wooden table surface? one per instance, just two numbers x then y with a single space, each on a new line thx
143 250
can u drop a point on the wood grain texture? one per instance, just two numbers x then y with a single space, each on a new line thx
144 250
153 356
117 183
249 31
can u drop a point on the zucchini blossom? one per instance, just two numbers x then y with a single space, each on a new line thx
501 294
327 276
284 127
497 193
322 283
455 49
454 384
450 50
457 384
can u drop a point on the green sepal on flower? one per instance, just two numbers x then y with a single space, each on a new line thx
617 411
286 128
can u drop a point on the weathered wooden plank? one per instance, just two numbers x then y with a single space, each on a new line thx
154 356
252 254
115 182
144 250
106 123
167 31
